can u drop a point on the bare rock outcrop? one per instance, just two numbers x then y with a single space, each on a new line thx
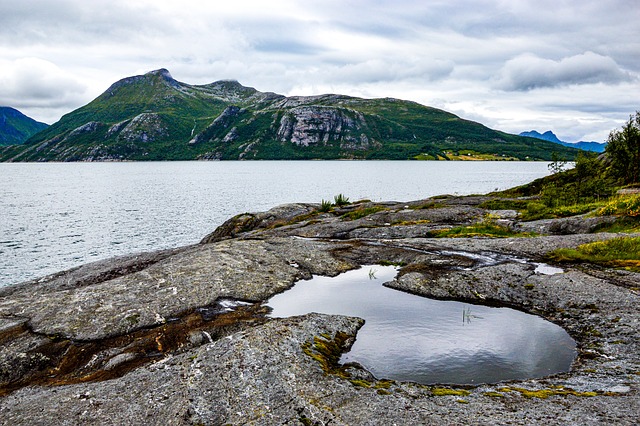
144 128
181 337
312 125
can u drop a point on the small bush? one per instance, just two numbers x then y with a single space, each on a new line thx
340 200
325 206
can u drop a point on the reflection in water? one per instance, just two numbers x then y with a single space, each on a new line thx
412 338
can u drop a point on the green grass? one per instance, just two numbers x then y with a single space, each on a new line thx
624 224
362 212
505 204
623 252
478 230
535 210
487 228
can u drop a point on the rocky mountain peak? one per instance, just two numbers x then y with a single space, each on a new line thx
162 72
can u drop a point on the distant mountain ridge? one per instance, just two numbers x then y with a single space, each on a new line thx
155 117
549 136
16 128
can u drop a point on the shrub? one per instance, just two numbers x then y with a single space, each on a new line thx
325 206
340 200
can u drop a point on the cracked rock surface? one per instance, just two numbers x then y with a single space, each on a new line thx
180 336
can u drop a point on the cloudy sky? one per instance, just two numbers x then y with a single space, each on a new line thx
568 66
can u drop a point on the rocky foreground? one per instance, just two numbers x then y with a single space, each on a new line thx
163 338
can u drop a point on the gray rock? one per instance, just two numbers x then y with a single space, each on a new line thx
179 336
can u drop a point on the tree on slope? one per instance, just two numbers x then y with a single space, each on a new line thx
623 151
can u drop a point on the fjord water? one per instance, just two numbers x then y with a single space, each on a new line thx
55 216
411 338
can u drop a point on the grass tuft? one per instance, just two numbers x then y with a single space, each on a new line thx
325 206
340 200
623 252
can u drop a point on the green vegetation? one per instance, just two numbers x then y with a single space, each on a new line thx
621 224
327 351
546 393
538 210
623 252
325 206
623 151
362 212
486 228
154 117
588 188
624 205
340 200
449 391
15 127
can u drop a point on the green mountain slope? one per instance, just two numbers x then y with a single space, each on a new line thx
154 117
15 127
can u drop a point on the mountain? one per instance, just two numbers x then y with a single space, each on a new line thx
549 136
154 117
15 127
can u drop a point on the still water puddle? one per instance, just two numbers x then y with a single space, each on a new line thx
412 338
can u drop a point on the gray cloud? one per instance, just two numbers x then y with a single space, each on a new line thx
529 72
480 59
32 83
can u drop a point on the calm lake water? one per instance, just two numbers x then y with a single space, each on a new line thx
55 216
411 338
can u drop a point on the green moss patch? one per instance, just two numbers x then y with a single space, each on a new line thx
327 350
449 391
546 393
482 229
362 212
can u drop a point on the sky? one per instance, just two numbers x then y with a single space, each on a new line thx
572 67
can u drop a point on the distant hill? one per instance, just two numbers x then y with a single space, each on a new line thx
549 136
15 127
154 117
